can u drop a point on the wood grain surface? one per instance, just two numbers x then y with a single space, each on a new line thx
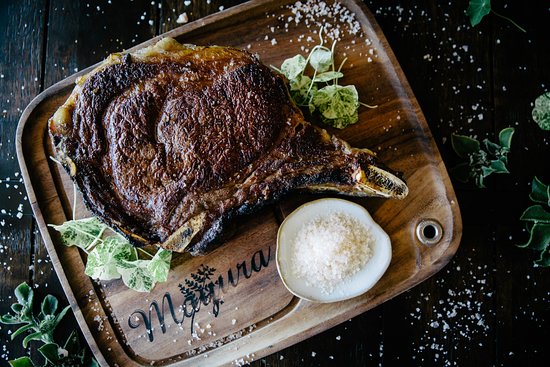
490 307
258 316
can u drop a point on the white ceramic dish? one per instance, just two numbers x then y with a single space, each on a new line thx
358 283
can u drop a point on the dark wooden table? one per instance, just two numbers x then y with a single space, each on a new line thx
489 307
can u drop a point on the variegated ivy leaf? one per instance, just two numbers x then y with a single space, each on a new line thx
294 66
159 265
301 88
103 259
338 105
321 59
81 233
327 76
136 276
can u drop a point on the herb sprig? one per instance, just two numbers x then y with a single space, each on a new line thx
41 328
537 219
113 257
483 158
335 104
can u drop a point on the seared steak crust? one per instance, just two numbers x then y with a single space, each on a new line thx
167 145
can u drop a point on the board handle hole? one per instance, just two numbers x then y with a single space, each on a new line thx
429 232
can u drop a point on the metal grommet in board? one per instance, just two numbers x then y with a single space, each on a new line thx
429 232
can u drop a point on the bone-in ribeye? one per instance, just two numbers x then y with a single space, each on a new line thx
170 143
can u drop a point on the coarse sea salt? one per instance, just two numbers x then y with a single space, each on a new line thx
330 249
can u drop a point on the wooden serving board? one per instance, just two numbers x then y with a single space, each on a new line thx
244 311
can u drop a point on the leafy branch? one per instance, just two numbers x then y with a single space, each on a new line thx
113 257
537 219
477 9
483 158
335 104
41 328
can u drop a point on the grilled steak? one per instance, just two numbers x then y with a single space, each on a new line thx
168 144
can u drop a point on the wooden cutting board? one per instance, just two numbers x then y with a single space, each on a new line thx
243 311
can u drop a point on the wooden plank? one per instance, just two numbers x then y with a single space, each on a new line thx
414 262
65 22
172 9
20 74
436 46
519 77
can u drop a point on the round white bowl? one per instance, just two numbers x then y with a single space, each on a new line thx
357 284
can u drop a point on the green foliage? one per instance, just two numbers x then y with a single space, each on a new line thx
114 257
104 258
41 328
293 67
537 219
482 159
477 9
541 112
83 233
334 104
337 105
159 266
136 275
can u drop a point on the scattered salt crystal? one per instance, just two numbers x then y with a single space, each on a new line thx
182 18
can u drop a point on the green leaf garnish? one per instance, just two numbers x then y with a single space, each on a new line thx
50 352
544 259
335 105
136 275
40 328
49 305
505 137
536 213
477 9
539 237
464 145
540 193
483 159
294 66
537 218
103 259
83 233
327 76
159 265
541 111
499 166
107 256
300 89
21 362
320 59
